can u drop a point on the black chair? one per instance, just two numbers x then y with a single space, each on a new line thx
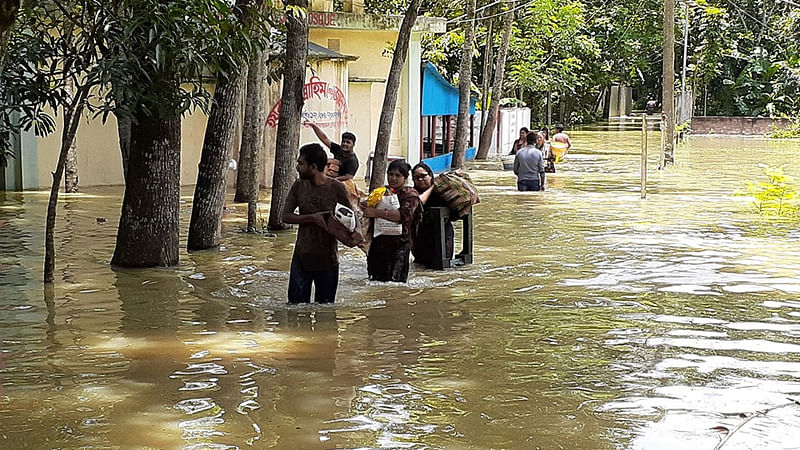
440 215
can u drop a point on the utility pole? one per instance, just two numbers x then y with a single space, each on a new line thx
685 47
685 102
668 88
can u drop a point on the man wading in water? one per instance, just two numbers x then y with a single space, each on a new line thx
315 257
529 165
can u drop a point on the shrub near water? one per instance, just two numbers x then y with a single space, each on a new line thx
776 197
790 132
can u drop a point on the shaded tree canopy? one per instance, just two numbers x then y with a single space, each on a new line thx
742 56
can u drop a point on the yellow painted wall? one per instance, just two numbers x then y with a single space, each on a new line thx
100 163
366 44
99 158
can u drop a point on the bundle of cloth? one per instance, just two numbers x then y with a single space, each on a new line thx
456 188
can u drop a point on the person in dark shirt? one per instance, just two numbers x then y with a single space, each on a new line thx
426 241
343 152
520 142
315 259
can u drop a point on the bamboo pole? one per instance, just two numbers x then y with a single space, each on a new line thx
644 155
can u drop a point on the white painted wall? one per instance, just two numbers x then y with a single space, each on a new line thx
509 122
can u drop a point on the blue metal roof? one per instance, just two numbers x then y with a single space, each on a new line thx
439 97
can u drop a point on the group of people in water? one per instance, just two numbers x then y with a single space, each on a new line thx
324 182
315 194
535 155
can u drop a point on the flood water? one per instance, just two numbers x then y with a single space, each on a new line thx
591 319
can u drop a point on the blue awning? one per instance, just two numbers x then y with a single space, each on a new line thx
439 98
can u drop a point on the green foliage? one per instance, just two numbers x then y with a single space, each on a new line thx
391 7
775 197
42 69
790 132
747 60
158 54
683 128
743 58
148 56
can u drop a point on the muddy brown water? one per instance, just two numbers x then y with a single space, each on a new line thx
591 319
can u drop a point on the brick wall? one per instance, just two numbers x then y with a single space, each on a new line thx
735 125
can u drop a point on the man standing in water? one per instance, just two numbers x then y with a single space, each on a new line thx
315 257
344 152
562 137
529 165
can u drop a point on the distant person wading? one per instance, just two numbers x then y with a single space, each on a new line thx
529 165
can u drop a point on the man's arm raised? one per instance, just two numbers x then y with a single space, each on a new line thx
320 134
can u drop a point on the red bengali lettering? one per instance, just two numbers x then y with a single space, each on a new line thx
319 89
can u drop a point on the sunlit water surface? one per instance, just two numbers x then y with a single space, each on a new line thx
591 319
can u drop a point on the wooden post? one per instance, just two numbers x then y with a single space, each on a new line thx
644 155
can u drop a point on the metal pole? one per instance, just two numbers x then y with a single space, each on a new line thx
644 155
685 48
668 81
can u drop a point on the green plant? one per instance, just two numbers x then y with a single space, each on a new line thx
684 127
776 197
790 132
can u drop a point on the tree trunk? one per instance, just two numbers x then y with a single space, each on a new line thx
288 133
487 67
124 133
149 222
464 85
497 88
667 94
71 169
205 226
549 108
379 161
253 136
8 15
71 120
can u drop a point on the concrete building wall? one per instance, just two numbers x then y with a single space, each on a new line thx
99 158
754 126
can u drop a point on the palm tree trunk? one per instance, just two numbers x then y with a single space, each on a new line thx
205 226
464 85
390 96
668 77
487 70
253 135
288 133
149 223
497 88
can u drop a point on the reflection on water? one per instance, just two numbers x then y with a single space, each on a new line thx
591 319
